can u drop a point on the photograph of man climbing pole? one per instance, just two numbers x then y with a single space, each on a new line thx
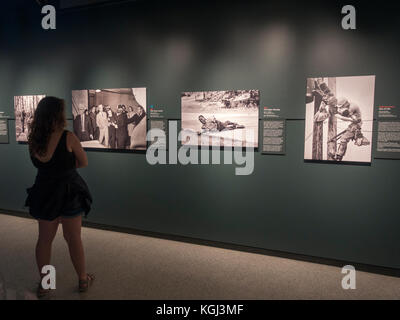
339 119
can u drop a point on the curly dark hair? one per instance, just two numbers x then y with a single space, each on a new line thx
49 116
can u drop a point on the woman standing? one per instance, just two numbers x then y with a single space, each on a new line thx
59 194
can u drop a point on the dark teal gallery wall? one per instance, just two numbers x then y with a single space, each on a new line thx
344 212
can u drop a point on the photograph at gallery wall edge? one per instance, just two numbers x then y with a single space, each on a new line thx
24 109
110 118
339 119
221 118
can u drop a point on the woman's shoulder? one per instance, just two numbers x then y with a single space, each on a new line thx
69 134
70 138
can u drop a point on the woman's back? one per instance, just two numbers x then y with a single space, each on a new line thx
58 159
59 190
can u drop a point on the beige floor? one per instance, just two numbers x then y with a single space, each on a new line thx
137 267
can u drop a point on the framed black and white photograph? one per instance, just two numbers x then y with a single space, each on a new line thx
24 110
339 119
221 118
110 118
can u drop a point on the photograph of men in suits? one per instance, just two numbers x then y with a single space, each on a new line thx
137 117
102 122
93 132
82 127
110 118
112 128
123 121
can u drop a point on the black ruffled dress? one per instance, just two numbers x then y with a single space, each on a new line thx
58 189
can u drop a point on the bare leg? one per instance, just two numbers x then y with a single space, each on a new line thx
72 235
47 232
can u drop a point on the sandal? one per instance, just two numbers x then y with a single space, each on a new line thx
40 292
85 284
